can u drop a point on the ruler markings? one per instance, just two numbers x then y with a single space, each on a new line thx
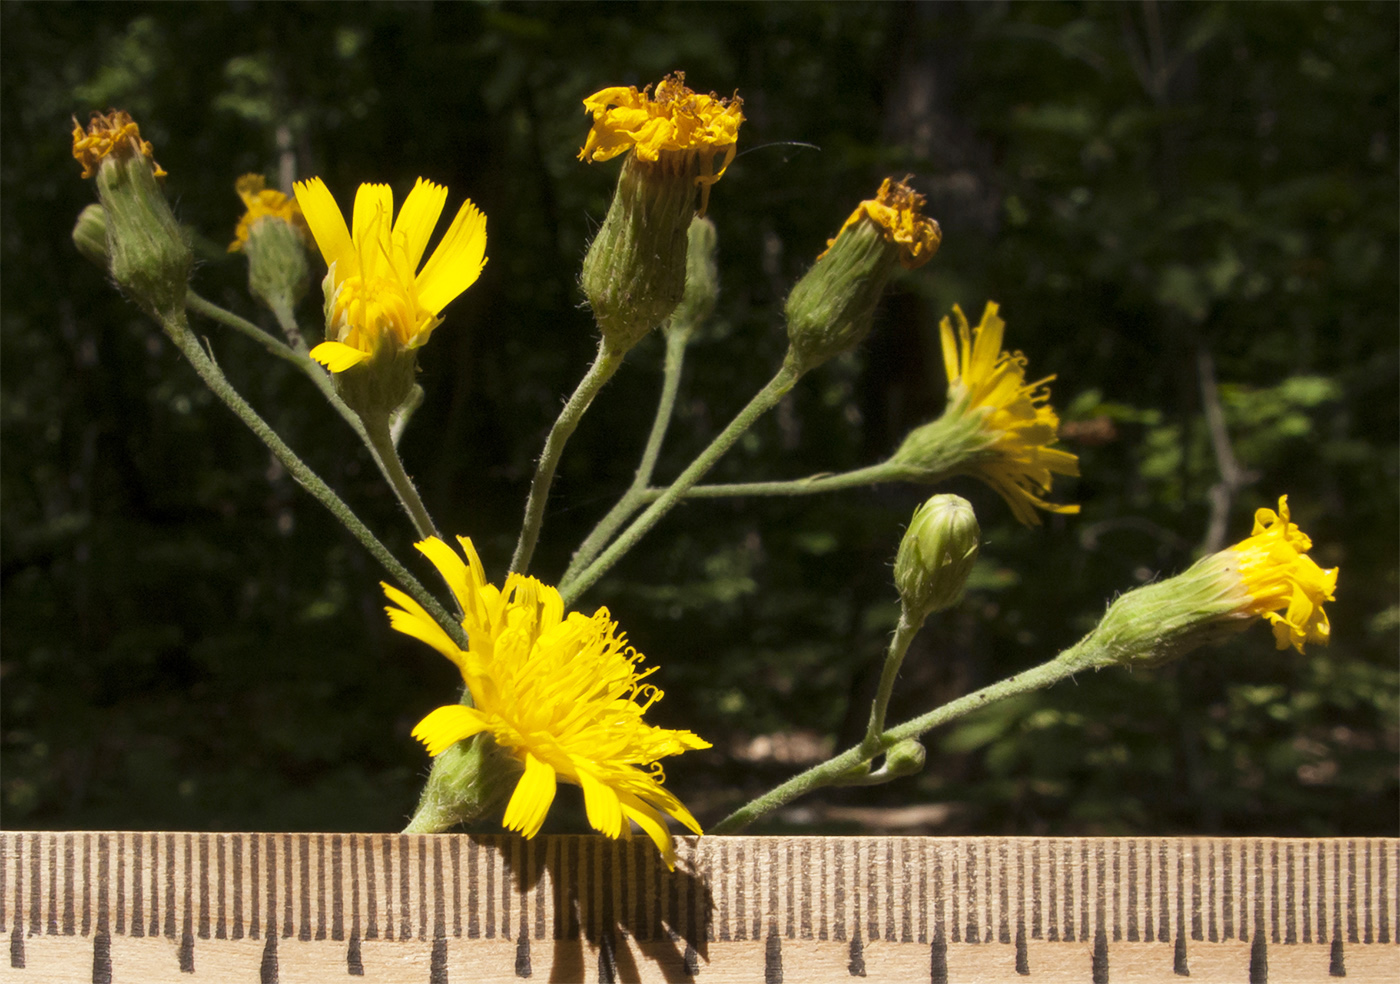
192 887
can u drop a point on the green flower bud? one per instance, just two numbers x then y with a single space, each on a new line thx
277 269
468 781
150 257
936 555
635 269
831 309
274 235
90 234
701 279
905 758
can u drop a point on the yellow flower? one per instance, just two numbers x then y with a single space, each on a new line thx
1278 575
561 693
376 294
672 127
113 134
898 210
263 202
1019 461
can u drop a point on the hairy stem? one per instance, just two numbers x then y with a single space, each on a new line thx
635 496
381 444
177 328
871 475
763 401
604 365
1066 664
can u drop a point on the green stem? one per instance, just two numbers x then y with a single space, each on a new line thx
312 369
287 320
1066 664
871 475
177 328
604 365
766 398
381 444
243 326
635 496
903 635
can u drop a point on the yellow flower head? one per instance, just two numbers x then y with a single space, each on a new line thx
375 292
672 126
112 134
263 202
898 210
1279 576
1019 462
561 693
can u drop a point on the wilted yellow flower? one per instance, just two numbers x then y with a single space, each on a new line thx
376 295
561 693
898 210
1017 421
673 126
1266 573
112 134
1279 576
263 202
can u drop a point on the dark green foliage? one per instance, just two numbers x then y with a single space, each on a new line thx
189 641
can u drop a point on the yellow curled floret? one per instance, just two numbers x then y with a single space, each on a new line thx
1285 585
112 134
675 120
898 210
263 202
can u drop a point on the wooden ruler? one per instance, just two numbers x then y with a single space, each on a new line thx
148 907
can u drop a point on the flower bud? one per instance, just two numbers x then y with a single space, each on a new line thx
90 234
150 258
701 279
903 759
936 555
634 274
273 234
831 309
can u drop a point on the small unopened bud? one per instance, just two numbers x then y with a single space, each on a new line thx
936 555
701 279
831 309
149 255
90 234
274 235
904 759
277 268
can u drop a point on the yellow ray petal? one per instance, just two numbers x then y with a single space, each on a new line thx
414 621
532 798
602 805
655 828
374 209
457 261
337 356
326 222
446 726
417 218
450 566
